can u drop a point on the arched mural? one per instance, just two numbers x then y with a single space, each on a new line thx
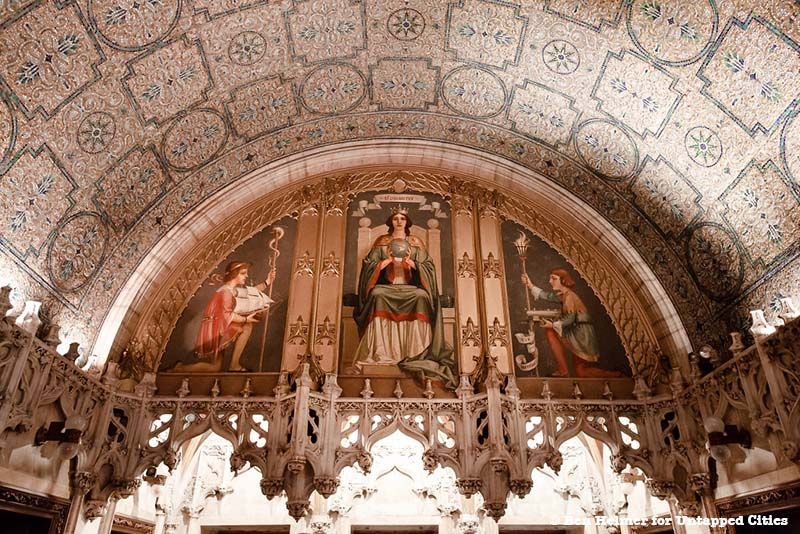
236 319
389 280
561 328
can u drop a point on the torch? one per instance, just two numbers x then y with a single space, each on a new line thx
521 244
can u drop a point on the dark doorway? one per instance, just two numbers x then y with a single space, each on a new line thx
19 523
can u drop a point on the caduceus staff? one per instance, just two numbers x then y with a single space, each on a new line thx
272 272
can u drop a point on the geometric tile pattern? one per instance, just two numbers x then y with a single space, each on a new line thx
592 15
677 120
607 149
36 194
77 250
326 30
473 91
484 31
542 113
130 187
47 56
260 107
636 93
132 25
333 88
763 208
714 260
167 80
245 46
751 74
194 139
404 83
671 31
666 196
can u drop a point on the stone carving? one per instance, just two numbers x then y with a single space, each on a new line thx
294 458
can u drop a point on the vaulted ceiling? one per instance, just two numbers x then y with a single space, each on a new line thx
676 120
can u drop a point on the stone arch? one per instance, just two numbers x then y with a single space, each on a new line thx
632 283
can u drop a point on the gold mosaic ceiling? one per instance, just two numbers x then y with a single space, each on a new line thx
674 119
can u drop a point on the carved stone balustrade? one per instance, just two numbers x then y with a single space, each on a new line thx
301 438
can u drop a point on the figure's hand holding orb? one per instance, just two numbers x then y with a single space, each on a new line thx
399 249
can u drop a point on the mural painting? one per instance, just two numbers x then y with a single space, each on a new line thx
236 320
560 327
398 254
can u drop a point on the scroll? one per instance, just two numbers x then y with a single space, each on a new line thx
250 300
529 339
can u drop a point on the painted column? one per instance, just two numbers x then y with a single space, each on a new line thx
301 291
329 288
495 289
468 335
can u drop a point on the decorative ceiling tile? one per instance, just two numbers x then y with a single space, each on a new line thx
764 211
715 260
665 196
77 251
333 88
486 32
703 146
593 15
542 113
404 83
94 130
405 28
561 56
405 24
262 106
168 80
473 91
245 46
637 93
130 187
607 148
194 139
47 56
326 29
133 25
654 123
673 32
752 75
36 193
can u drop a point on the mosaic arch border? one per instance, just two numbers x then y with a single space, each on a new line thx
156 293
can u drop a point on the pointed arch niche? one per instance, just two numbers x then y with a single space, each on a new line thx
146 310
